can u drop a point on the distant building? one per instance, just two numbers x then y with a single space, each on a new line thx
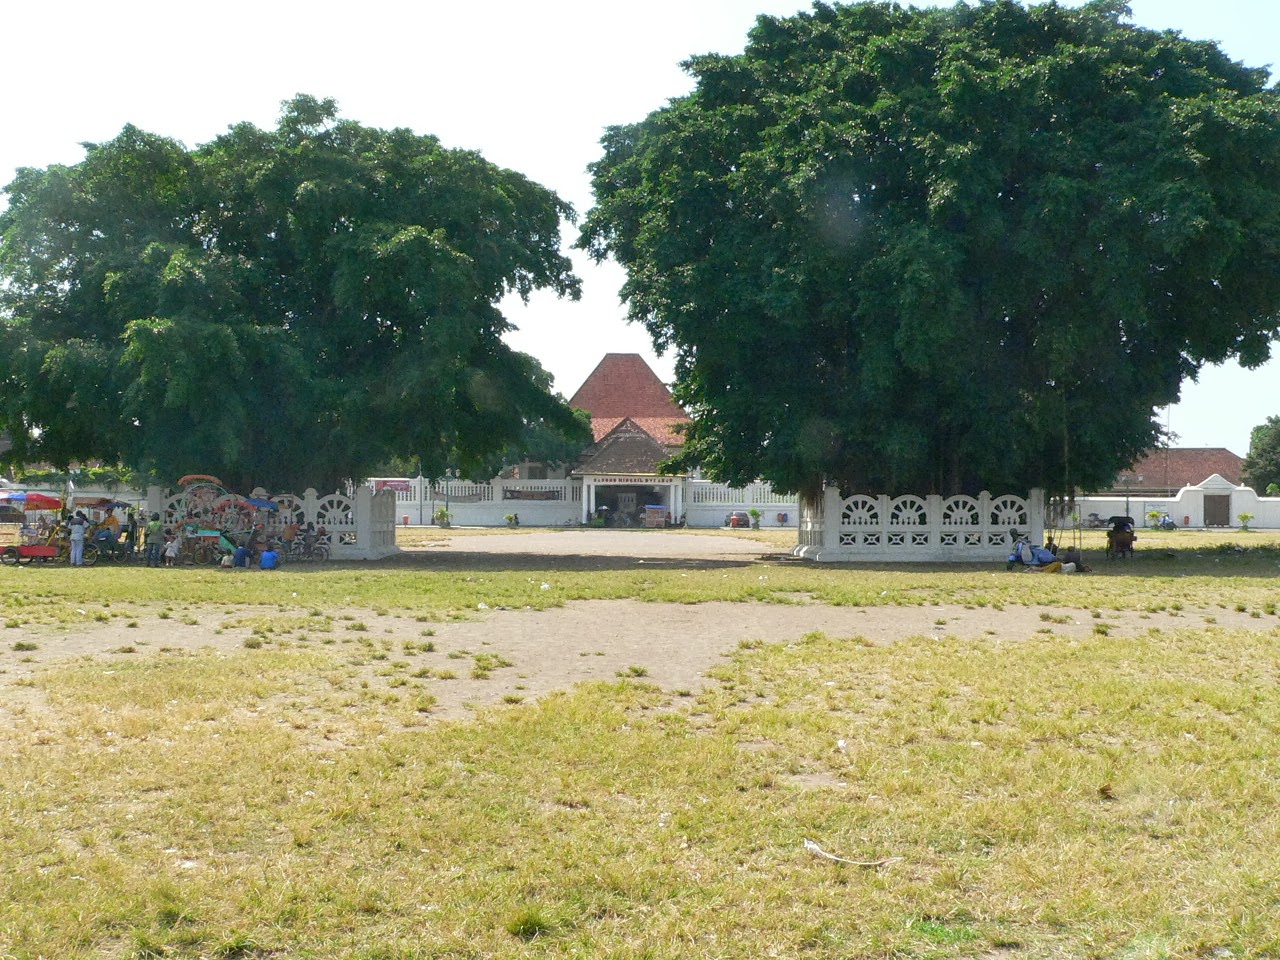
1165 471
636 424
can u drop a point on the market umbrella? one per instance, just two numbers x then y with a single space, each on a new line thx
260 503
31 501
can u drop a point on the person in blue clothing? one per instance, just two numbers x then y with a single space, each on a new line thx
1027 553
269 559
78 527
241 557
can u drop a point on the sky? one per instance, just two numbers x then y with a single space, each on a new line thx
530 84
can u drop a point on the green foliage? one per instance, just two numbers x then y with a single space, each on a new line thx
1261 467
542 440
551 441
946 249
280 307
109 477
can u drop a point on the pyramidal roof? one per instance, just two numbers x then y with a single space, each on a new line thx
623 385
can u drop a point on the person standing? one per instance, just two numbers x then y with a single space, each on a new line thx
154 538
131 533
77 527
171 547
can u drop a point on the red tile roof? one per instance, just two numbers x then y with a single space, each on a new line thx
1174 468
627 449
623 385
624 389
666 430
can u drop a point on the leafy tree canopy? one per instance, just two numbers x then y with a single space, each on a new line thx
541 441
946 249
280 307
1261 468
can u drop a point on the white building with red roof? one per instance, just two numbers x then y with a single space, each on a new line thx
636 425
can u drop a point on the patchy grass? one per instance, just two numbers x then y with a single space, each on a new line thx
1025 796
1201 574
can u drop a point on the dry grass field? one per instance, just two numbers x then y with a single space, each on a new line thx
464 753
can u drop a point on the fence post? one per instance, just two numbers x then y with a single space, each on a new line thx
1035 514
832 511
933 517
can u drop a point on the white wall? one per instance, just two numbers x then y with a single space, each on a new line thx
1187 508
487 504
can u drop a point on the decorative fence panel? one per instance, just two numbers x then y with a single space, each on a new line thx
359 525
915 529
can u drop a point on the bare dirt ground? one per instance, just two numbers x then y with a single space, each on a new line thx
672 645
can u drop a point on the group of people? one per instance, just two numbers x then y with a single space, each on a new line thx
1043 559
162 546
242 557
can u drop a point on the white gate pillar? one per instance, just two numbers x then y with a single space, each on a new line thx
1036 514
364 516
832 510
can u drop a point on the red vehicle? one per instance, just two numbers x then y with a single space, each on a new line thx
28 552
53 547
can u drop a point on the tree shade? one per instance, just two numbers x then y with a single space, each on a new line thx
943 250
282 307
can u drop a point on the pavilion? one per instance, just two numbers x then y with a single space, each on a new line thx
635 424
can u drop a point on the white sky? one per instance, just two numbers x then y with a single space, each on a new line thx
531 85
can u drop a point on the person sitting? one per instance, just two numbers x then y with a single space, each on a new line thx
1028 554
241 556
106 534
269 559
1121 537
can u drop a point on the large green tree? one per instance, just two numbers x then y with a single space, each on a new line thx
946 249
1261 467
282 307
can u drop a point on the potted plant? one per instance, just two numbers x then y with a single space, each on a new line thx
442 517
1244 519
513 519
754 514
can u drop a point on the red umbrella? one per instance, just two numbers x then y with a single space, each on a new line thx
32 501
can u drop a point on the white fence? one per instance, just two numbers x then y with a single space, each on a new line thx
538 503
916 529
707 504
360 525
555 503
1214 503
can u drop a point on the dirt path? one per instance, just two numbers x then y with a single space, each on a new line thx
673 645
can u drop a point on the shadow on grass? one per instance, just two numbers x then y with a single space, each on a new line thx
496 561
1220 561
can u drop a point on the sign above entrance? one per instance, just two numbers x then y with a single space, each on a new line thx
637 481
